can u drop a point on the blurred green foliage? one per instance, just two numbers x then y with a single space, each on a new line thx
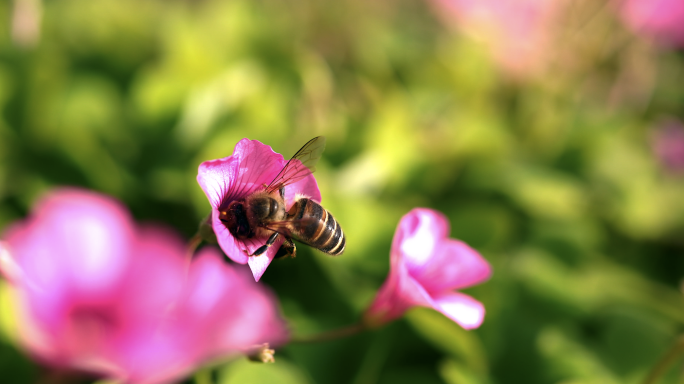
551 177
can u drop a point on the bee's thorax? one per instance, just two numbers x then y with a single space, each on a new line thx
247 218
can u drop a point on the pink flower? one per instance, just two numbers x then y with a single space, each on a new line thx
668 145
97 293
662 20
518 32
231 178
426 267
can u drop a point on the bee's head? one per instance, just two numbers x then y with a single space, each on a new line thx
234 217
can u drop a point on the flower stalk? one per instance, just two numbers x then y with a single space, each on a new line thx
332 335
203 376
193 243
664 363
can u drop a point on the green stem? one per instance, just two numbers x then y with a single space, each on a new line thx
194 242
331 335
203 376
662 365
204 233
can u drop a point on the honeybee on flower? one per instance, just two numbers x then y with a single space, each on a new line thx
260 203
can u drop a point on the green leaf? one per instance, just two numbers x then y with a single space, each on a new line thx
449 337
244 371
455 373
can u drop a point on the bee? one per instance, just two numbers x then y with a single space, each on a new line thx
263 213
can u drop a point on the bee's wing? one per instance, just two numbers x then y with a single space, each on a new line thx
302 164
286 227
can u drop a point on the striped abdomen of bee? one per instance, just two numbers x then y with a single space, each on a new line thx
315 226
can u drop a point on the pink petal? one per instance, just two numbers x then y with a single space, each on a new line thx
463 309
453 265
252 165
123 330
152 352
661 19
232 247
259 321
160 359
258 165
93 232
417 236
668 144
258 264
208 281
399 293
142 294
232 310
217 178
9 268
516 31
31 254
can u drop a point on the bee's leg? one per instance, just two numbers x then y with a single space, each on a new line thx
282 251
264 247
292 249
288 248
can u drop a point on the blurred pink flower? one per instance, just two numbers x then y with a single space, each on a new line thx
662 20
26 20
668 145
97 293
231 178
426 267
518 32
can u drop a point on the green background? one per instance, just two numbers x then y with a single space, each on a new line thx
551 176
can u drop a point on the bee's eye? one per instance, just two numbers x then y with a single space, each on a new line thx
274 205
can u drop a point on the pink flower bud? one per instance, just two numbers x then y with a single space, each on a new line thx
426 267
97 293
668 145
518 33
662 20
231 178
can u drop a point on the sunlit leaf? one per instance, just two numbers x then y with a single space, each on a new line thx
245 371
449 337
